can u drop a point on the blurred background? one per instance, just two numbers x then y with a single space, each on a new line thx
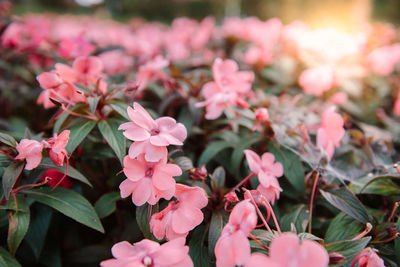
346 15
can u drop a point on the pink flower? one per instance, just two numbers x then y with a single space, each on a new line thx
149 253
267 171
233 247
317 80
116 62
383 59
31 150
331 131
368 258
180 216
286 251
151 71
229 88
338 98
151 136
75 47
148 181
56 146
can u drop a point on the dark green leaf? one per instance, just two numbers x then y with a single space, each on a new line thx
83 88
379 187
349 248
78 133
292 166
121 108
238 153
18 223
397 242
345 201
40 221
7 259
8 139
214 232
10 176
69 203
114 138
184 163
198 249
59 122
143 218
298 217
343 227
308 236
72 172
212 150
4 161
106 204
218 178
264 235
93 101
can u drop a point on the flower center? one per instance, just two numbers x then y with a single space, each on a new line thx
154 132
147 261
149 172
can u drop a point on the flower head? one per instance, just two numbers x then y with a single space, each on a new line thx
180 216
31 150
317 80
147 253
369 258
148 181
56 146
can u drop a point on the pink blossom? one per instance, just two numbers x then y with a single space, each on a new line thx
116 62
331 131
267 171
31 150
338 98
229 88
317 80
383 59
148 181
151 136
151 71
233 247
56 146
149 253
368 258
286 251
180 216
75 47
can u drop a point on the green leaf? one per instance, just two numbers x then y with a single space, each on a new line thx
114 138
197 248
78 133
218 178
4 161
264 235
8 139
214 232
10 176
106 204
18 223
349 248
47 163
292 166
397 242
379 187
59 122
298 217
212 150
343 227
143 218
83 88
40 221
184 163
7 260
93 101
238 153
121 108
308 236
69 203
345 201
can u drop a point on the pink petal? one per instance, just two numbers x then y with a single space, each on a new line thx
258 259
141 117
313 254
171 253
122 250
253 160
162 180
134 169
284 248
155 153
33 161
241 247
142 192
267 159
127 187
159 140
185 219
224 252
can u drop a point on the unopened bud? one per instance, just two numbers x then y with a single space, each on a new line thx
335 258
198 173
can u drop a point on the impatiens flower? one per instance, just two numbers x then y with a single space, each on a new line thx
55 177
368 258
56 146
31 150
383 59
151 136
180 216
330 132
233 247
151 71
229 88
148 181
267 171
286 251
148 253
317 80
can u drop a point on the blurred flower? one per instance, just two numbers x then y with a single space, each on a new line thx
368 258
317 80
55 177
